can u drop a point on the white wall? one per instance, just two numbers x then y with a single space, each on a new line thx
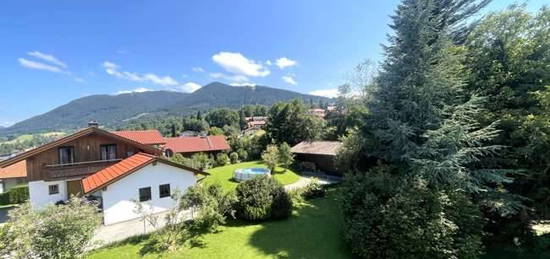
39 193
118 204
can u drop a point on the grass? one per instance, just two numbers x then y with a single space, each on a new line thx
313 231
224 174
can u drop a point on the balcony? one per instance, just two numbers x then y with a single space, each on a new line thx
78 169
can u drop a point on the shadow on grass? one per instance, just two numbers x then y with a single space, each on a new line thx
313 231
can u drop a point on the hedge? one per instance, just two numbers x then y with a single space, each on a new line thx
18 194
4 198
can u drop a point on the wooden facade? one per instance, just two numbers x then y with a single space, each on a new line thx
87 158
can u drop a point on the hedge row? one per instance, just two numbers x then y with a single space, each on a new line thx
15 195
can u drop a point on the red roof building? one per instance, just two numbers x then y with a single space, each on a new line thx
17 170
123 168
146 137
187 145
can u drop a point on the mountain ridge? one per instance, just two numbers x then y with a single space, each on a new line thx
115 110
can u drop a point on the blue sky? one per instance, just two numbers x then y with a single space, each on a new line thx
52 52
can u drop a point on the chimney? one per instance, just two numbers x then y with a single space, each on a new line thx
93 123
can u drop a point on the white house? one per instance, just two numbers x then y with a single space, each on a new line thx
117 168
140 178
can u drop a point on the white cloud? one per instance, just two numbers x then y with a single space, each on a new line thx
238 64
198 69
114 70
285 62
289 80
331 93
190 87
47 57
137 90
38 65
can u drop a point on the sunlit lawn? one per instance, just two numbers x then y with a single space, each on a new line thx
223 175
313 231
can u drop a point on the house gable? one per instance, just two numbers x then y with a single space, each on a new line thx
43 162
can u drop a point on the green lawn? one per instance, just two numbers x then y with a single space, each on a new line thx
224 174
313 231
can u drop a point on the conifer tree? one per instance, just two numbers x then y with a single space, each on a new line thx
432 155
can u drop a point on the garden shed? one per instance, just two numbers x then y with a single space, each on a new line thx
320 154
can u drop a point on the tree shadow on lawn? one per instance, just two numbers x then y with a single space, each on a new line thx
313 231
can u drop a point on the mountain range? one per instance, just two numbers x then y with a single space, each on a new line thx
116 110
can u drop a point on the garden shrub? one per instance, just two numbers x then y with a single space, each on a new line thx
281 208
243 155
234 157
52 232
4 198
210 206
18 194
222 159
257 199
314 189
387 216
167 239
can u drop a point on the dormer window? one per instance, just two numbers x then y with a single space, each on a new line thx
108 152
66 155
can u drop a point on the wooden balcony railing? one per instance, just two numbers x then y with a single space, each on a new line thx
60 171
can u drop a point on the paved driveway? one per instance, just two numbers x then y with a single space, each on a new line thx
307 177
123 230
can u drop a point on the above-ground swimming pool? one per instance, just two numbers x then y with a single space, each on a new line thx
244 174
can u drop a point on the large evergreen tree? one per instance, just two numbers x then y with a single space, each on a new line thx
421 125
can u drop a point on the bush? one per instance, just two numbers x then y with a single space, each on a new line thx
258 198
167 239
19 194
234 156
243 155
281 208
4 198
386 216
52 232
212 203
313 190
222 159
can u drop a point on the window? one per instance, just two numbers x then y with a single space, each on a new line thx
66 155
53 189
108 152
164 190
145 194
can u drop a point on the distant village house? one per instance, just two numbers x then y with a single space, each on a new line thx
188 146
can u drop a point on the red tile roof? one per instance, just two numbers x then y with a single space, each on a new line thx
147 137
105 176
17 170
123 168
196 144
